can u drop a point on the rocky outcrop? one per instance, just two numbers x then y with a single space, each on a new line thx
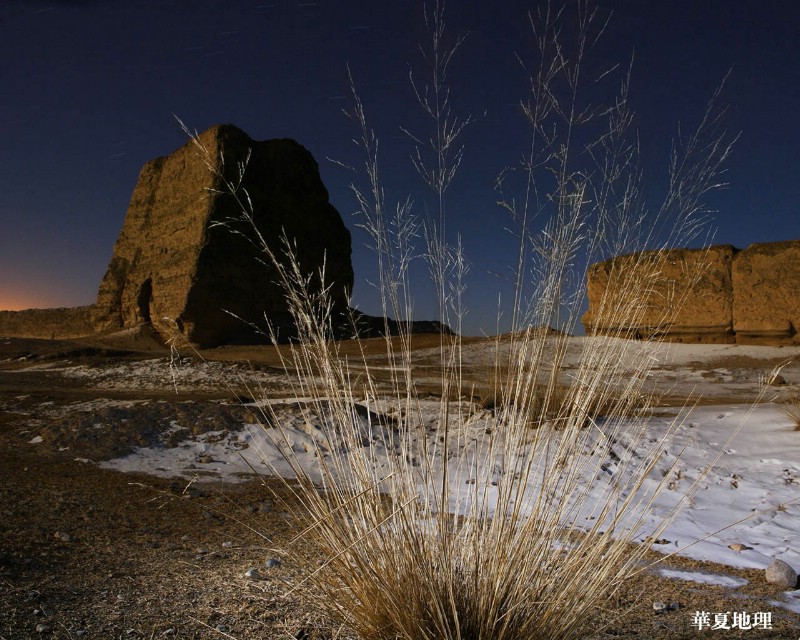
50 324
366 326
186 262
718 294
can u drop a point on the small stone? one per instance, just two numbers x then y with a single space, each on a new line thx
195 491
42 628
202 550
222 628
659 606
781 574
253 574
273 563
64 537
227 545
80 633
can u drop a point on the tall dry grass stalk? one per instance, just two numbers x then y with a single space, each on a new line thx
437 521
791 409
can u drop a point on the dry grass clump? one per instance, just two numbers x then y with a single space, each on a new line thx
438 522
431 531
550 405
791 409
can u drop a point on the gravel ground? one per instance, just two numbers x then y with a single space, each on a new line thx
97 554
93 553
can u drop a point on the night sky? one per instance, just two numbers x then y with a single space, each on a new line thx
90 90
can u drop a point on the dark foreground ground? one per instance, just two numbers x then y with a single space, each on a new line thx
91 553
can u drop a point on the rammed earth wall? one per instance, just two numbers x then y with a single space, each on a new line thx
720 294
50 324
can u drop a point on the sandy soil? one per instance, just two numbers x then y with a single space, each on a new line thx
93 553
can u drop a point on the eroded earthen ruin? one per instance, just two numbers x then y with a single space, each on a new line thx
187 262
720 294
185 259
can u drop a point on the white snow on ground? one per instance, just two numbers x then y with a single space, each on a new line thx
701 577
678 369
158 374
749 496
743 492
791 601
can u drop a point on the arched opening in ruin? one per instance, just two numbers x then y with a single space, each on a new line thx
144 300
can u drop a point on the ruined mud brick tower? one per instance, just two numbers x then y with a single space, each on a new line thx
185 261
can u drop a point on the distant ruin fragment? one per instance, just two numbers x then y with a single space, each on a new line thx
174 265
718 295
59 323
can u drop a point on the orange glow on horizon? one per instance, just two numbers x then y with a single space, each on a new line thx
22 302
27 292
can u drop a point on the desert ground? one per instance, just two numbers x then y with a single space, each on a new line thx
129 509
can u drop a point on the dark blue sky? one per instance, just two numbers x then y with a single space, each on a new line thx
90 88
